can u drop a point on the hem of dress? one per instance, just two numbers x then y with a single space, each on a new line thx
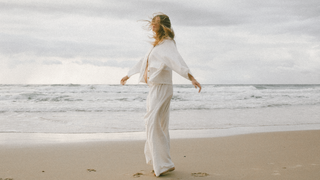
164 170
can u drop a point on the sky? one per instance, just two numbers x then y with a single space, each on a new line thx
97 41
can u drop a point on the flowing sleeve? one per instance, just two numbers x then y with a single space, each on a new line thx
135 69
172 58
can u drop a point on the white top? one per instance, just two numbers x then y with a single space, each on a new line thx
163 58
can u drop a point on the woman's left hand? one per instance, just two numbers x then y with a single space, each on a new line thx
196 84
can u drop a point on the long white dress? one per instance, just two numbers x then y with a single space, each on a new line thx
157 146
161 60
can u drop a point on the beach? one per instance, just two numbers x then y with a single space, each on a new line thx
74 105
274 155
250 132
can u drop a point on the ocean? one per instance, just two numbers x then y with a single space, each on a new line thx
77 109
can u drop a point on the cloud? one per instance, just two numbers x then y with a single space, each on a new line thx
234 41
17 44
110 63
51 62
187 13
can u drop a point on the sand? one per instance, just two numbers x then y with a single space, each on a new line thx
277 155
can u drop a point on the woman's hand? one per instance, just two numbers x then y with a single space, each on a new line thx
124 80
195 83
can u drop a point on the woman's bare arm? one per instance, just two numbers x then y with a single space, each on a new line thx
194 82
124 80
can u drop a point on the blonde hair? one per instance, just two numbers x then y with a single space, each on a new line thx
165 31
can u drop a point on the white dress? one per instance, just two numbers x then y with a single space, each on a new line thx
157 147
162 59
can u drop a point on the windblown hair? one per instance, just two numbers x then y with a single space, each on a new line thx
165 31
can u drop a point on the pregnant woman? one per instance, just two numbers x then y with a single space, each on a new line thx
155 69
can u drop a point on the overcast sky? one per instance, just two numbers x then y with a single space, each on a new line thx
222 41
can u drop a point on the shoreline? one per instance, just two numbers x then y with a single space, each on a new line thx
118 122
288 155
22 139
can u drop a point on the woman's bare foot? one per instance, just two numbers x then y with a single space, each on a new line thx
169 170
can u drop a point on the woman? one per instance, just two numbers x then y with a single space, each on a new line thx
156 70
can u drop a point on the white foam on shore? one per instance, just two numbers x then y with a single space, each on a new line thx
26 139
123 122
183 124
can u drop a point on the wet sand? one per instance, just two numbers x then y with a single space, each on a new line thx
276 155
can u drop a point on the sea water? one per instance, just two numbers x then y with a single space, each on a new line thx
77 109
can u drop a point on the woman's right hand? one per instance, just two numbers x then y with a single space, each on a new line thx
124 80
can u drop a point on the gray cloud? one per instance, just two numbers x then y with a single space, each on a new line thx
289 16
110 63
251 38
15 44
198 15
188 13
18 44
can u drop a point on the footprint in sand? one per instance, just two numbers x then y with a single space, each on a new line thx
136 175
91 170
276 173
199 174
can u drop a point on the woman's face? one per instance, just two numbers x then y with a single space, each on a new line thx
156 24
